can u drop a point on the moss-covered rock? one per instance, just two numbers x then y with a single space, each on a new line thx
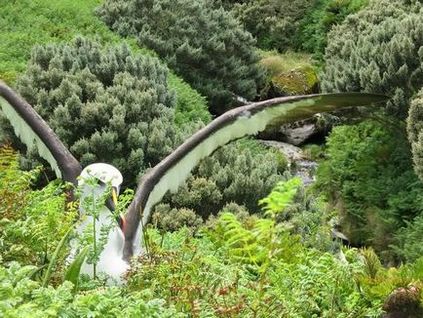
289 74
296 82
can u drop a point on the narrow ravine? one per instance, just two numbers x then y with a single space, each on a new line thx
299 165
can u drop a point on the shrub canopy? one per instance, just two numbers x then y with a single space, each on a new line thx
106 105
273 22
205 45
378 50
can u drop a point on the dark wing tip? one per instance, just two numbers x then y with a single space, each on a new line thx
354 99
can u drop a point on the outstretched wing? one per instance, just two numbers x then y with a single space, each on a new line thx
32 130
251 119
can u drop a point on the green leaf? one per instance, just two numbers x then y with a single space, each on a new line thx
54 257
72 274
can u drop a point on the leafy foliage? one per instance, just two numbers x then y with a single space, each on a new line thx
94 97
281 197
239 266
22 297
369 178
273 23
378 50
408 237
32 222
253 267
204 44
320 19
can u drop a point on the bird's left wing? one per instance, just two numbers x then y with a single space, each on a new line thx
32 130
172 171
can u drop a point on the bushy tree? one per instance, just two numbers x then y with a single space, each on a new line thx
274 23
242 172
319 20
167 219
204 44
415 132
379 50
368 176
105 104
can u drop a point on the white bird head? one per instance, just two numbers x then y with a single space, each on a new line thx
104 173
95 179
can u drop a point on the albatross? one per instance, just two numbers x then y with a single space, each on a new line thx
124 240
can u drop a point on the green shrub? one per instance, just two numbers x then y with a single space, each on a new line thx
368 176
204 44
274 23
105 104
32 221
241 172
320 19
191 107
242 268
408 240
26 23
169 220
22 297
378 50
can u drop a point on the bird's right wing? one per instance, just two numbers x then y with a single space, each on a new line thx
251 119
32 130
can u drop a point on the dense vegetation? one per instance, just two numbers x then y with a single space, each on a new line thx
94 97
205 45
379 50
241 238
237 265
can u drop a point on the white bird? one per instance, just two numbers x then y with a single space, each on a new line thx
93 182
172 171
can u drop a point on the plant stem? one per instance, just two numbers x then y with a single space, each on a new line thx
95 240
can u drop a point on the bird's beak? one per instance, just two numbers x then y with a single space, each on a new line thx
120 219
114 196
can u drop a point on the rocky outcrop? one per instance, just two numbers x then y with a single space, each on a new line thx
404 302
299 165
298 81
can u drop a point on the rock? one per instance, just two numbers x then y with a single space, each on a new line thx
299 135
291 152
299 81
300 166
289 74
404 302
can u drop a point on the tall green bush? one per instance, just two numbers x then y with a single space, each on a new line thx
235 173
368 176
204 44
274 23
319 20
415 130
379 50
105 104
